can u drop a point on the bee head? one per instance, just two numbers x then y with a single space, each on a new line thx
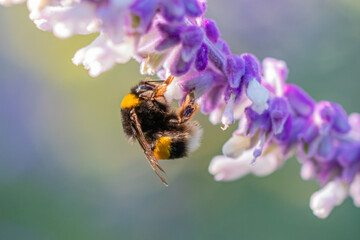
143 87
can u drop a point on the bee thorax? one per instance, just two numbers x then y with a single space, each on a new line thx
130 101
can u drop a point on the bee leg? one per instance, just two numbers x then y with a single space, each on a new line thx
188 108
159 91
146 147
169 80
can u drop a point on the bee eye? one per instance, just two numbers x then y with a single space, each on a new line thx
144 88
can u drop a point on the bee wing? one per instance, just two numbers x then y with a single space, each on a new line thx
146 147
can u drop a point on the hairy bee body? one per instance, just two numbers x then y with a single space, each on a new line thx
161 132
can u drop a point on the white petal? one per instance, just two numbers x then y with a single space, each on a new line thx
65 21
113 19
354 120
268 163
228 115
61 30
355 190
275 73
7 3
229 169
35 6
215 116
239 107
173 91
323 201
259 95
259 146
121 3
308 170
102 54
235 146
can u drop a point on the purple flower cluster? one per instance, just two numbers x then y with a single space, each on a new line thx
325 140
276 120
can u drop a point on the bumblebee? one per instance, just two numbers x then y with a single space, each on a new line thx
162 133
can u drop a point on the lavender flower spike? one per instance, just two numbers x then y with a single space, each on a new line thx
276 120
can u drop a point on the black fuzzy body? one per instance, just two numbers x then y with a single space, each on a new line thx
158 120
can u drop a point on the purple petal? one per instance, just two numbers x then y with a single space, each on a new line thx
251 115
201 59
170 30
326 150
235 69
279 112
192 8
257 121
145 11
191 39
229 91
349 154
326 173
214 54
211 30
341 121
259 146
285 134
173 10
171 36
252 68
299 100
201 83
214 58
236 91
325 111
298 124
180 67
223 47
165 44
348 174
324 116
212 99
309 132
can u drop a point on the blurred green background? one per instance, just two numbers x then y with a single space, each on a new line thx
67 171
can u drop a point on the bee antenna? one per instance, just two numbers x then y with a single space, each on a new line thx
156 80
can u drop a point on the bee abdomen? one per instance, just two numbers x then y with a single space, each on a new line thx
169 148
178 149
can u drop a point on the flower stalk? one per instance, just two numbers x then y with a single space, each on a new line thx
276 120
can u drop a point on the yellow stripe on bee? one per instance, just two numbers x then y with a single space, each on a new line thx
163 148
130 101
